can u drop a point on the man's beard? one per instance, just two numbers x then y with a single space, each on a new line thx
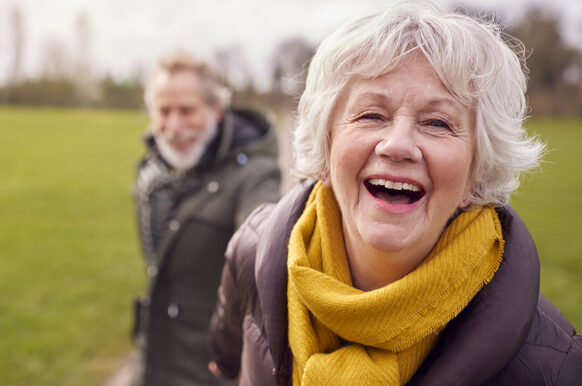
185 160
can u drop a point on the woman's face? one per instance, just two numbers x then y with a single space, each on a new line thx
400 158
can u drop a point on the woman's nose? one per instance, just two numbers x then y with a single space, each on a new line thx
399 141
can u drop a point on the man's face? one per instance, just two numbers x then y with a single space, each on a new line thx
182 122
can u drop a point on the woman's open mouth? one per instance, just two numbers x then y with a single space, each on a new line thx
395 193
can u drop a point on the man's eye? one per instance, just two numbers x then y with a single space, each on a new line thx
187 110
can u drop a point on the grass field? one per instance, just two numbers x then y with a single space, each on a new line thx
68 249
69 254
550 204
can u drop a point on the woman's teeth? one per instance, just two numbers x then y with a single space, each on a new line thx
394 185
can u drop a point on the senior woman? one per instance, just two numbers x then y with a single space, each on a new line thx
397 260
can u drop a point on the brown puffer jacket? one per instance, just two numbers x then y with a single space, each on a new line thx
508 335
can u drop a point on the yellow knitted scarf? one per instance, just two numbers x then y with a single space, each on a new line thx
386 333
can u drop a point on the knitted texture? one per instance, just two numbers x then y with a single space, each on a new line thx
390 330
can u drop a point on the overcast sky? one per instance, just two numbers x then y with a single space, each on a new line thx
127 34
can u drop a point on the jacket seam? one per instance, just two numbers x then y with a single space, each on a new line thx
563 362
549 347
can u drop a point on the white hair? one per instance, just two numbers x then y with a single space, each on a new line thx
471 58
214 90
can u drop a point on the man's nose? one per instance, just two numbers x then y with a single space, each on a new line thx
174 123
399 141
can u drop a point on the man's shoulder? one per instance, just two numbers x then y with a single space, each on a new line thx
151 155
249 128
251 117
150 170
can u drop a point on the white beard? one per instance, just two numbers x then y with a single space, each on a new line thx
185 160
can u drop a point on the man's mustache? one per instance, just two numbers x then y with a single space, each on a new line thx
185 135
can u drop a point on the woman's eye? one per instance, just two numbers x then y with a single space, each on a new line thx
437 123
371 116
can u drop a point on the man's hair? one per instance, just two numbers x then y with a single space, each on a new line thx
215 92
481 67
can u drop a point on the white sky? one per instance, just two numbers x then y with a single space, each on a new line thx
127 34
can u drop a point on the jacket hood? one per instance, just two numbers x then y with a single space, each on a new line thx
244 131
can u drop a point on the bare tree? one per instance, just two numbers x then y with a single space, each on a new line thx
88 90
554 65
232 64
82 33
17 27
55 62
290 64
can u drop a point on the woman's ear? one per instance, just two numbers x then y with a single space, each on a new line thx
467 198
464 203
324 176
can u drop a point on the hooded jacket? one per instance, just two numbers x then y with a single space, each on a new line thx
509 334
185 222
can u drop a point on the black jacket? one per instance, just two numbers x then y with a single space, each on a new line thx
185 224
508 335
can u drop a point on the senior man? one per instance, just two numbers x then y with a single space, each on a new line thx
207 166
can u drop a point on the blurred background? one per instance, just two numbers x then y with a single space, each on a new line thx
71 119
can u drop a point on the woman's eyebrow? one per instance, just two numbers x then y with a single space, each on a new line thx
446 103
370 97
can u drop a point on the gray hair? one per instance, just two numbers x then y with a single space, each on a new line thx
214 90
472 59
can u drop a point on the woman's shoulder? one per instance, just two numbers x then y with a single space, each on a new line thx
269 224
241 249
550 355
553 340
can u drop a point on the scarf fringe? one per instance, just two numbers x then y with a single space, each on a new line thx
440 324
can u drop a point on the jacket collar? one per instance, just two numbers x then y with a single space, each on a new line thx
271 275
473 347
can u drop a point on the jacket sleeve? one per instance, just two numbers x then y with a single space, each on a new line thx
571 370
236 295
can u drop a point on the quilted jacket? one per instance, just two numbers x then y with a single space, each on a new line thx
185 223
508 335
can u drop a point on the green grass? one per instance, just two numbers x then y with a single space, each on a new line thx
68 247
69 254
550 203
